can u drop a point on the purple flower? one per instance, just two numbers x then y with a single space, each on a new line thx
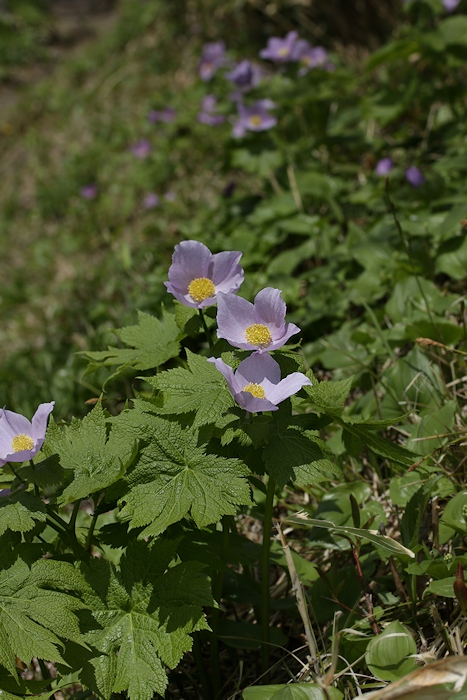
450 5
212 58
151 200
141 149
257 384
21 439
245 75
414 176
169 196
383 167
259 326
254 118
207 116
280 50
309 56
166 115
196 276
88 191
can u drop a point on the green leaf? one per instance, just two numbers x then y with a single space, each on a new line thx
391 655
20 512
330 396
454 30
200 388
36 611
174 478
412 519
379 445
292 691
153 342
141 617
383 541
300 457
94 460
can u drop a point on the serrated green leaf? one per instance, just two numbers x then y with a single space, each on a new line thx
174 477
20 512
300 457
200 388
94 460
330 396
141 618
36 610
153 342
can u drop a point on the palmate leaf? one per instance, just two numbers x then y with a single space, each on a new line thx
94 460
300 457
152 342
175 478
141 617
36 610
20 512
330 396
200 388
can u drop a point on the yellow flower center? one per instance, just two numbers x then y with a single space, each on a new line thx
22 442
255 120
258 334
255 389
284 51
201 288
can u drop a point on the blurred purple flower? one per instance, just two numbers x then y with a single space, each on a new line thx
280 50
88 191
257 385
21 439
309 56
207 114
450 5
151 200
259 326
212 58
245 75
254 118
169 196
414 176
196 276
5 492
383 167
166 115
141 149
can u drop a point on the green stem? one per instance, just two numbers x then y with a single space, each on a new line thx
15 473
57 518
217 586
206 329
265 556
203 675
74 515
91 531
36 487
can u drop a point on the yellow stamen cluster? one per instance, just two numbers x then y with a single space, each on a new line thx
255 389
201 288
22 442
255 120
284 51
258 334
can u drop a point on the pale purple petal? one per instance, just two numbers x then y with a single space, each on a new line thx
252 404
228 373
270 309
39 422
290 330
450 5
225 271
286 387
258 367
414 176
280 50
191 259
12 424
234 315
